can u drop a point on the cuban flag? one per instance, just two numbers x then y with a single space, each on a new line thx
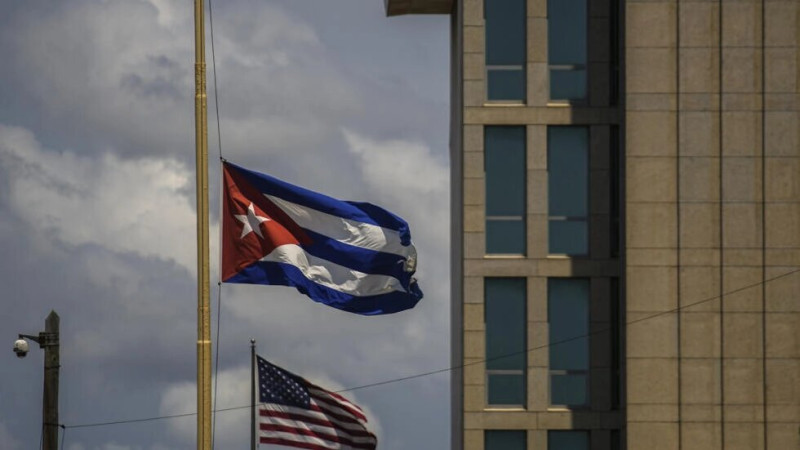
356 257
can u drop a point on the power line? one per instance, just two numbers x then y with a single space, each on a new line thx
461 366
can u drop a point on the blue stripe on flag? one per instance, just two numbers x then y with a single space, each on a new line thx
361 212
283 274
357 258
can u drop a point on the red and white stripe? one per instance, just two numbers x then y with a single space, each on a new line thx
332 423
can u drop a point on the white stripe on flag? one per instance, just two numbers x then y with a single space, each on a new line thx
314 428
352 425
358 234
300 438
332 275
328 402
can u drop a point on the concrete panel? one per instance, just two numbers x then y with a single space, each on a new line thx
651 225
783 225
701 436
700 335
651 133
650 24
650 336
653 70
783 381
741 287
699 288
651 179
699 257
645 374
742 380
743 331
537 39
473 12
699 227
473 290
783 335
652 436
699 134
781 134
744 436
741 133
651 257
741 179
651 102
651 289
699 179
474 39
783 435
473 317
699 70
473 138
741 226
741 70
699 24
536 151
473 165
741 24
474 245
652 412
782 179
781 70
474 66
782 23
700 413
474 191
782 286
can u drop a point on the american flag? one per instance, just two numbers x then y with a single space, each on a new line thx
296 413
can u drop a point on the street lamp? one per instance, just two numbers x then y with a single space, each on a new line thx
48 340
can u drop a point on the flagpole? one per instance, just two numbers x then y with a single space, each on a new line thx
203 309
252 394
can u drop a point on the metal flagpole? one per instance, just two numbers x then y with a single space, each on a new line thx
203 309
253 394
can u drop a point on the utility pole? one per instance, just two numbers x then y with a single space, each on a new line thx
49 341
52 364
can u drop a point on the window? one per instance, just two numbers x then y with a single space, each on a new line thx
615 199
566 49
568 319
568 189
567 440
504 162
616 357
504 440
505 49
506 341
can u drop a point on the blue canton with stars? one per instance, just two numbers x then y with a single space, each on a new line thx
280 386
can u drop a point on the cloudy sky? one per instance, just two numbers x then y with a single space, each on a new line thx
97 215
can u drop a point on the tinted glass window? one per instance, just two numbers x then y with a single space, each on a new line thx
504 440
566 48
567 440
506 340
568 318
504 153
505 323
505 49
568 189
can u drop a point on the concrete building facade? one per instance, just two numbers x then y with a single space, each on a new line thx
625 223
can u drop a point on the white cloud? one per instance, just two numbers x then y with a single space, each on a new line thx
135 206
406 174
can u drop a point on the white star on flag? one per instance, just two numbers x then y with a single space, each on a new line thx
252 222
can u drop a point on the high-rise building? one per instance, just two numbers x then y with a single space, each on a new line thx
625 223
